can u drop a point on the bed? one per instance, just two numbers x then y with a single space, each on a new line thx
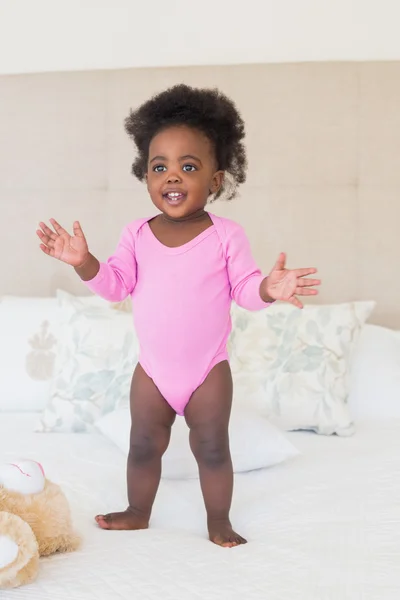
322 525
325 525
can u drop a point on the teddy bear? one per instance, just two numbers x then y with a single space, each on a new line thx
35 521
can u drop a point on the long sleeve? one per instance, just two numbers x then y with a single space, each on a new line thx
116 278
244 275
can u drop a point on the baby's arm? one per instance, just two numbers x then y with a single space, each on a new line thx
244 275
115 279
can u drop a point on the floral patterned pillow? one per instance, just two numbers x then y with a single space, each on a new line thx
294 364
96 353
28 338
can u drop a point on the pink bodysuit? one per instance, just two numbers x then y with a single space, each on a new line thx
181 299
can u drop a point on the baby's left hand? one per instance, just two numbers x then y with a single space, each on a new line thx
285 284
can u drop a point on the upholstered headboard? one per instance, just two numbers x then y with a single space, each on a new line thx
323 184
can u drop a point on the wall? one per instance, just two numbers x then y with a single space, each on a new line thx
49 35
323 184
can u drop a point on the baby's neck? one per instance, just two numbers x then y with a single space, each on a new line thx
196 216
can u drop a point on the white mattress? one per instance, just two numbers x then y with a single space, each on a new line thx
325 526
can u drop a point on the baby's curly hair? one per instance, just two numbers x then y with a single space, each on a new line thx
207 110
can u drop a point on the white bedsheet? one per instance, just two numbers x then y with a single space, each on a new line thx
325 526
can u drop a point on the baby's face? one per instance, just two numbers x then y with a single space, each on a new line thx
182 171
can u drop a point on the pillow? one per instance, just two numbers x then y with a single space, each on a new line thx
28 340
375 375
294 364
96 354
255 443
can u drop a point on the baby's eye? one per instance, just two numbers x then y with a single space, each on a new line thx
159 168
189 168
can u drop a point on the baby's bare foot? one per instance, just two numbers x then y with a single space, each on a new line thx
222 534
126 520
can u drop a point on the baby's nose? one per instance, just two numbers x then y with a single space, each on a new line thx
173 178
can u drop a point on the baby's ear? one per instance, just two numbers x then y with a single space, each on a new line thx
217 181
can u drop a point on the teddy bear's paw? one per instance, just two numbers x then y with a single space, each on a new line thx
19 556
8 551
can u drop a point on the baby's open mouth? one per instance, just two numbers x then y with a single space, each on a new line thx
174 198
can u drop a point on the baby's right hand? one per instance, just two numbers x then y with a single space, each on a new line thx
71 249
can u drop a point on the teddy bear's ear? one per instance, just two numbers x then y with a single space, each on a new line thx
19 555
23 476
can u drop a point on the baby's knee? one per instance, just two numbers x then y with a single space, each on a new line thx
141 451
211 451
145 449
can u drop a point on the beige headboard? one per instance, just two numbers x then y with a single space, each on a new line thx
324 169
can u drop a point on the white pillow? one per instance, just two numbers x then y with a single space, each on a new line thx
294 364
28 337
96 354
375 375
254 442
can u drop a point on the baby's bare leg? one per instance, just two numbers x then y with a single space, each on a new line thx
207 416
152 418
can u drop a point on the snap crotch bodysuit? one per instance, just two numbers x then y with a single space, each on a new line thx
181 300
